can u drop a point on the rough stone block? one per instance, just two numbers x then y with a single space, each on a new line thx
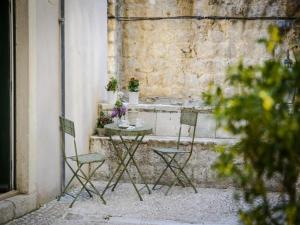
149 119
206 126
24 204
167 124
17 206
178 58
111 52
6 211
151 165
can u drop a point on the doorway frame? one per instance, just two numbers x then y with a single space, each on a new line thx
25 92
12 95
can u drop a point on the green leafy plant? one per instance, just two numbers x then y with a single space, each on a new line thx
112 85
133 85
103 119
268 127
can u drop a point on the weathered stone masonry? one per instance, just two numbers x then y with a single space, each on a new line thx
179 57
176 56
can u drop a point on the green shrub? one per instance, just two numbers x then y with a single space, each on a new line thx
112 85
268 127
133 85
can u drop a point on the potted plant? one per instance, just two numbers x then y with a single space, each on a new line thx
111 88
133 87
102 121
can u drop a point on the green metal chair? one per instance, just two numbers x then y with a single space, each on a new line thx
67 127
171 155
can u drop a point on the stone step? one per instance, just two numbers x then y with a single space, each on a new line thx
151 165
165 120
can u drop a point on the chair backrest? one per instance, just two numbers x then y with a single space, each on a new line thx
67 127
188 117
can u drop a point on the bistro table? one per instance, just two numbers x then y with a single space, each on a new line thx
125 152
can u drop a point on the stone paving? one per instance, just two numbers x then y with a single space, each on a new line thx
181 207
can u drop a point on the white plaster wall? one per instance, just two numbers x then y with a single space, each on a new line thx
39 72
47 97
86 30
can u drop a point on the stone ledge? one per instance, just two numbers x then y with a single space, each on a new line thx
172 139
16 206
157 107
165 119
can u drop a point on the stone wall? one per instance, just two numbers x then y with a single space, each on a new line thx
151 165
165 120
180 57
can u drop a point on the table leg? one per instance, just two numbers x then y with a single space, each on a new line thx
133 160
125 168
126 154
114 174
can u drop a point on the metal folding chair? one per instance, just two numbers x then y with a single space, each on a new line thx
67 127
171 155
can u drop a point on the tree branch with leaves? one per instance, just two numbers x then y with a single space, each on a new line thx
267 123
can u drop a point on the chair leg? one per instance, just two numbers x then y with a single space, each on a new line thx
168 165
78 178
75 174
88 179
176 177
67 186
186 177
71 205
173 171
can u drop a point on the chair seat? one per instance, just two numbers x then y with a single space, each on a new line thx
169 150
89 158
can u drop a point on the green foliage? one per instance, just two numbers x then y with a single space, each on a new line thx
133 85
103 119
118 103
273 41
112 85
268 127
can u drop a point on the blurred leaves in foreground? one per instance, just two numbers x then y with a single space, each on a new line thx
264 113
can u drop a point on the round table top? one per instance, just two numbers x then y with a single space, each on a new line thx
113 129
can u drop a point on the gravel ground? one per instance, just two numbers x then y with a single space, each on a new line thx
181 207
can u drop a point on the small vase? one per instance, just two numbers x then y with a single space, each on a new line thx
112 97
117 121
132 117
133 98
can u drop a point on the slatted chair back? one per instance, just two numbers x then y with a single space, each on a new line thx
188 117
67 127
